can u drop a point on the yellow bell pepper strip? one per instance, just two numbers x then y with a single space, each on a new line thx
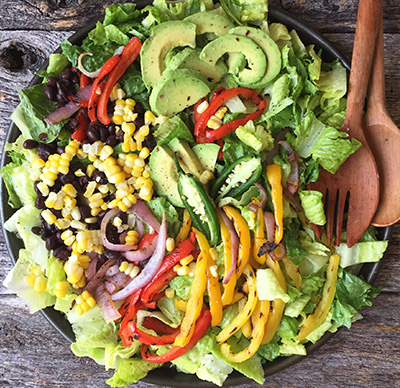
260 318
293 271
238 295
243 232
259 239
181 304
214 292
274 175
195 302
229 288
278 305
314 320
185 228
248 309
246 328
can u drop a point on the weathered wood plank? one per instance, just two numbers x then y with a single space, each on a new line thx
33 354
71 14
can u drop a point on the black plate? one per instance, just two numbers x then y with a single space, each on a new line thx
168 376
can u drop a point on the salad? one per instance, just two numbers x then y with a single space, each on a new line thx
159 185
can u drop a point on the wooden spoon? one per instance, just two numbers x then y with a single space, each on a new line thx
383 137
356 181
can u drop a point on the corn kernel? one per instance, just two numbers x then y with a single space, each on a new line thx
81 283
183 270
38 163
124 266
170 244
144 153
91 301
202 107
62 223
169 292
40 284
206 176
48 216
187 260
149 118
31 280
176 267
192 268
220 113
214 122
213 253
117 119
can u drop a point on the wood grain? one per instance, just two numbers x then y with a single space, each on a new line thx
33 354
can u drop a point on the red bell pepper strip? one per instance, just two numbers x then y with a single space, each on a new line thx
146 240
129 310
158 326
202 325
128 55
151 290
150 339
201 130
84 81
80 131
106 68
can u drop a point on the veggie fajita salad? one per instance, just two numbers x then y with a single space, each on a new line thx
159 185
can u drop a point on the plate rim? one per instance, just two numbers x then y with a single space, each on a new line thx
179 380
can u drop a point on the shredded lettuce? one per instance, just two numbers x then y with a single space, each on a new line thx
361 252
268 287
311 201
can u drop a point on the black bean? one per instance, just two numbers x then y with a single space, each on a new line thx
61 253
139 122
111 140
57 186
150 141
93 134
94 226
99 177
43 136
83 180
73 123
46 233
60 150
76 183
85 211
75 78
111 254
52 81
37 230
139 109
57 213
53 145
51 243
67 84
49 93
119 135
103 134
66 74
123 216
39 202
77 166
101 214
67 178
111 129
37 191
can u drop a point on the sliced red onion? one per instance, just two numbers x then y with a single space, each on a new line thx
90 74
109 287
140 228
92 267
234 243
119 280
292 199
122 237
68 110
98 277
294 177
112 271
269 220
103 226
254 207
103 299
280 136
282 252
141 211
141 254
61 113
151 267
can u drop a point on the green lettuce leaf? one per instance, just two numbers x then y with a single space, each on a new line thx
291 346
268 287
269 351
311 201
171 129
160 205
256 137
57 64
182 286
361 252
167 307
17 281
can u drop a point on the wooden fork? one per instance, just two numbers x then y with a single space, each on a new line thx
357 181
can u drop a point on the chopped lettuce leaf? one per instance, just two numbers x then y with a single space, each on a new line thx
288 328
57 64
160 205
113 353
182 286
167 307
324 144
269 351
54 273
294 248
268 287
290 347
293 309
325 326
17 281
130 371
361 252
311 201
213 369
254 136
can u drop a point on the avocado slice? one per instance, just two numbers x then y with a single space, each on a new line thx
165 175
255 56
191 164
207 155
210 22
176 90
189 58
271 50
164 37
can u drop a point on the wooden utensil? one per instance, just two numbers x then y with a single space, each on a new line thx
356 182
383 137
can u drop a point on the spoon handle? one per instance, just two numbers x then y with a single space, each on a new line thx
364 43
376 88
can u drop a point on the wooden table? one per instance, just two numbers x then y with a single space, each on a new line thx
33 354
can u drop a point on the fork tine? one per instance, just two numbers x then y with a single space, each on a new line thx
342 195
330 214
